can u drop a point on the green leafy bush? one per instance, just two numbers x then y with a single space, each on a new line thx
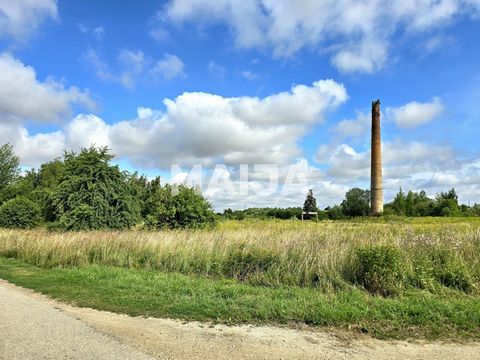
451 271
19 213
421 274
178 207
380 269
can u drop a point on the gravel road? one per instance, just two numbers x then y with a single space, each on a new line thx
33 326
33 329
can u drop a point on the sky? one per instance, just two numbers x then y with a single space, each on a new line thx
256 101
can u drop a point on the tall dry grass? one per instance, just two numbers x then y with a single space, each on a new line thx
265 252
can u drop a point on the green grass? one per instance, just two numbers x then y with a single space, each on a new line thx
390 277
415 314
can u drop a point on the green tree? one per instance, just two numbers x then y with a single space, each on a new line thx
398 204
9 165
50 174
335 213
19 212
310 204
424 206
447 204
171 207
410 204
192 210
47 180
93 194
22 186
356 203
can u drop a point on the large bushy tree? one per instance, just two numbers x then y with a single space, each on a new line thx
93 194
356 203
447 204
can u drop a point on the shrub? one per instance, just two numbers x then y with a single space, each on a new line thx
192 210
421 273
19 213
450 270
380 269
175 207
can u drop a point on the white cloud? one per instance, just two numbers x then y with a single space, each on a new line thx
169 67
133 66
20 18
32 149
85 130
217 70
206 128
23 96
225 189
249 75
134 60
401 159
132 63
97 32
356 34
356 128
367 56
414 113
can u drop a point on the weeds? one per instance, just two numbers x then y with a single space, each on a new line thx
383 257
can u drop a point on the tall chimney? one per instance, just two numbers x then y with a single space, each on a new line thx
376 164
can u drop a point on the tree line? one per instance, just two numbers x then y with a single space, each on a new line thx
84 191
357 204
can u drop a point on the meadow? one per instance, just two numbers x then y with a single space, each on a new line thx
391 277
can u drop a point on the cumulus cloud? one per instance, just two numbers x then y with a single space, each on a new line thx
414 113
169 67
23 96
208 129
401 159
411 165
20 18
225 189
33 149
357 34
356 128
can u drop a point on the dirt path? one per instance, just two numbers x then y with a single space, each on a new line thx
34 329
171 339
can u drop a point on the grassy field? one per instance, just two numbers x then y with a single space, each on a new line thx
393 278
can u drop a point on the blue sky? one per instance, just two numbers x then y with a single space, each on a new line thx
285 83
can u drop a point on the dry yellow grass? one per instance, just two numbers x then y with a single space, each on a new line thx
266 252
